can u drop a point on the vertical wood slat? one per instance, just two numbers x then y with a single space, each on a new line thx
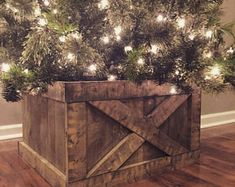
77 141
195 118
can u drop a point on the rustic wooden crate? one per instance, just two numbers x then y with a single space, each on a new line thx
89 134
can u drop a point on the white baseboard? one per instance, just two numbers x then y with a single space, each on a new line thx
211 120
10 131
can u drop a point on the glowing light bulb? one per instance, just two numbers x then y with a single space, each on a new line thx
154 49
230 51
106 39
92 68
42 22
46 2
54 11
37 11
181 22
209 34
5 67
103 4
118 30
62 39
70 56
161 18
112 77
173 90
26 71
118 38
208 55
141 61
192 36
128 49
215 71
177 72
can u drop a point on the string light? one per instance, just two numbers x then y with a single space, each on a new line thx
76 35
141 61
161 18
118 30
70 56
5 67
208 54
37 11
54 11
106 39
154 49
26 71
209 34
62 39
215 71
92 68
42 22
46 2
128 49
177 72
118 38
103 4
192 36
181 22
173 90
230 51
112 77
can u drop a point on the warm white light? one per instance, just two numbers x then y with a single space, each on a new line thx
160 18
230 51
37 11
177 72
55 11
112 77
209 34
173 90
192 36
46 2
5 67
215 71
106 39
141 61
42 22
118 38
181 22
76 35
62 39
92 68
128 49
208 55
70 56
26 71
103 4
154 49
118 30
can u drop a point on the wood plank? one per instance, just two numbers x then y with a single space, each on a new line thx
118 155
195 118
166 109
45 168
126 175
121 113
106 90
77 140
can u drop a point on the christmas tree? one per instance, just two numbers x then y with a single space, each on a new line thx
175 41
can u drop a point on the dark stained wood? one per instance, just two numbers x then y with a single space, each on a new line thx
108 132
145 128
216 168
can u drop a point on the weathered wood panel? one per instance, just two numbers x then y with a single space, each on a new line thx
109 133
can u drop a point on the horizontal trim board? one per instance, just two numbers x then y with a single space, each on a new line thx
210 120
216 119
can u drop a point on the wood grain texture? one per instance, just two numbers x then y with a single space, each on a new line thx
141 126
118 155
216 167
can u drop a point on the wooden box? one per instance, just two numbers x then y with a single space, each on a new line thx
90 134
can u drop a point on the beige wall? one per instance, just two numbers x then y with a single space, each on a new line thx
225 101
11 113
